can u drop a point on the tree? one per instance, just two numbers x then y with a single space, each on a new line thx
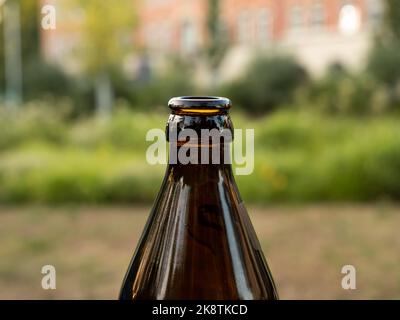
268 83
217 43
384 58
30 29
28 34
391 25
107 30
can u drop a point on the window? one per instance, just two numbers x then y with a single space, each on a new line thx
349 19
264 26
374 11
189 38
151 35
244 27
296 17
165 36
158 36
317 15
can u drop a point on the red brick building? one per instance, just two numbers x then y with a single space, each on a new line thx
317 32
172 25
180 25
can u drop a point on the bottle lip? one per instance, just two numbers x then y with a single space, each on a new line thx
200 103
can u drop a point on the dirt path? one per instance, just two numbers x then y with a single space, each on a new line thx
306 248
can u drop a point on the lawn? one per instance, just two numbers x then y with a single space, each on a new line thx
306 248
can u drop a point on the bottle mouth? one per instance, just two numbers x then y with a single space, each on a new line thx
199 104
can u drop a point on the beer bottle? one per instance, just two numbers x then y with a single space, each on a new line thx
198 242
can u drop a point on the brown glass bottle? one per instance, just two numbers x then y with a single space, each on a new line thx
199 242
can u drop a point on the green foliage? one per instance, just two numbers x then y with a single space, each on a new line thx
384 63
176 80
384 59
300 157
30 32
42 79
32 125
107 29
384 66
217 40
391 25
30 45
304 158
268 83
340 92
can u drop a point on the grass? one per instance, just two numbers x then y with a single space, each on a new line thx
306 248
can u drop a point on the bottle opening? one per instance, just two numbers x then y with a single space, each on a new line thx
199 104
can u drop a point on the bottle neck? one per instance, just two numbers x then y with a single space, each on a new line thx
197 172
197 154
200 140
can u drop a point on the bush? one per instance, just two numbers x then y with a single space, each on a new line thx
340 92
30 124
384 62
286 130
176 80
335 159
384 65
75 176
43 79
268 83
299 157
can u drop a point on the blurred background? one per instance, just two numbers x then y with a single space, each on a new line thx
82 81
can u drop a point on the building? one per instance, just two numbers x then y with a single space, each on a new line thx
317 32
172 26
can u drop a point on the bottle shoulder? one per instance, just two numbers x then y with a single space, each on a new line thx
199 244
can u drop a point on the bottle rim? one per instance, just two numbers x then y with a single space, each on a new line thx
200 103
